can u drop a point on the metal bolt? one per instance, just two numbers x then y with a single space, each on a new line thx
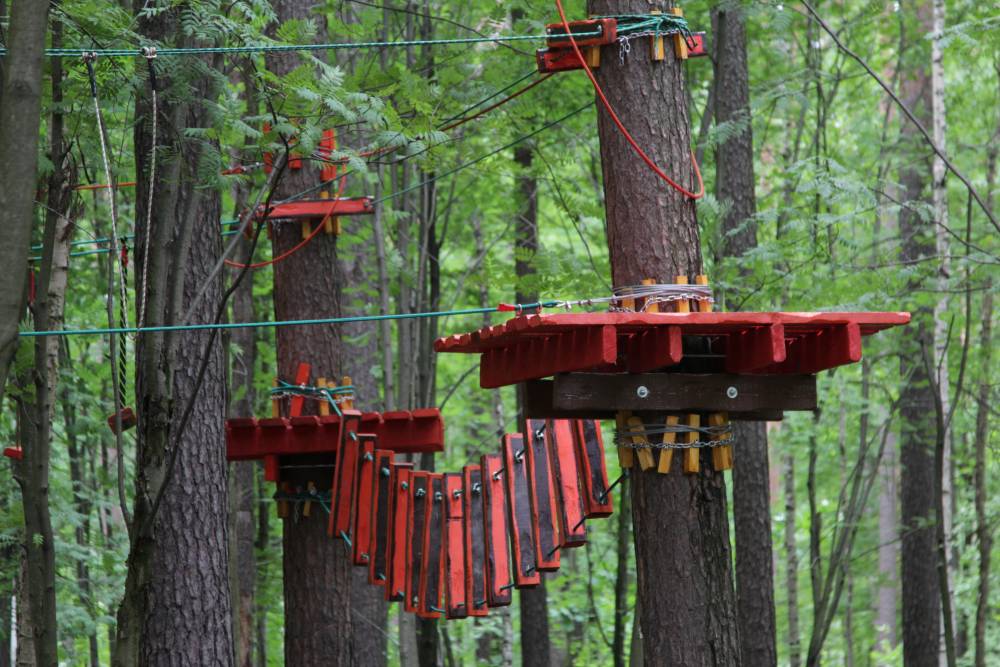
732 392
642 391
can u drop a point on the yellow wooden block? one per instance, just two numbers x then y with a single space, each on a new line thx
593 56
306 229
703 306
348 402
656 48
307 505
667 455
644 454
625 458
680 44
682 306
283 504
722 456
692 463
652 308
324 405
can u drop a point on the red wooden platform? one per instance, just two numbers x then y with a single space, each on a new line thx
321 208
531 347
403 431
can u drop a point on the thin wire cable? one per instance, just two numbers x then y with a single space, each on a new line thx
621 126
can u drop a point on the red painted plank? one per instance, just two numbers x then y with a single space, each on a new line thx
653 348
395 553
418 431
475 539
607 29
562 453
342 488
433 562
822 350
320 208
15 453
534 357
542 495
456 602
519 514
272 469
756 347
498 575
418 516
364 478
301 379
593 470
381 516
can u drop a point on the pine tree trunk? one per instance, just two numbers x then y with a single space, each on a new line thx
621 575
791 565
921 600
20 118
888 550
685 583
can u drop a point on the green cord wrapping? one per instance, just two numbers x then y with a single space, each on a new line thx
317 393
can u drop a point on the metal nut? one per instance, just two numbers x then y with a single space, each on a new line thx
732 392
642 391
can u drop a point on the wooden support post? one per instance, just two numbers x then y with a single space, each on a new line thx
692 455
625 454
324 405
680 44
656 49
286 489
722 456
307 505
703 306
683 306
667 454
642 450
348 402
593 56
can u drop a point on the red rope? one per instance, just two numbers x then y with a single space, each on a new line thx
621 127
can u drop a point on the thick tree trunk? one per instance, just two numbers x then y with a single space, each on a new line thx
791 564
20 118
176 608
921 601
623 538
681 527
25 655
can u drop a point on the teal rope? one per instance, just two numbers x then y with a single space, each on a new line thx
278 323
286 48
309 391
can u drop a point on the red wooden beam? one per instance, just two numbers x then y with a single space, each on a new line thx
381 514
754 348
15 453
821 350
456 602
593 471
541 356
498 575
562 453
395 552
696 44
431 567
522 528
475 539
342 488
556 60
542 497
301 380
418 516
364 478
407 432
557 36
317 209
653 348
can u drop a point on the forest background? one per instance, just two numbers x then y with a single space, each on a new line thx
851 215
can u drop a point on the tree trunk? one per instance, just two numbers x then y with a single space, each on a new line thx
20 118
25 656
177 608
921 600
681 526
888 551
791 565
618 653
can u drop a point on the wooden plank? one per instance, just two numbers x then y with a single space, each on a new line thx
653 348
381 513
361 536
497 530
593 469
683 392
755 347
722 456
342 489
643 451
562 453
692 455
456 602
519 515
534 357
419 513
667 454
431 567
475 539
395 553
297 401
542 495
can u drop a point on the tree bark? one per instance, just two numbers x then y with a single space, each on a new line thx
681 527
20 118
177 608
888 550
791 565
618 653
920 599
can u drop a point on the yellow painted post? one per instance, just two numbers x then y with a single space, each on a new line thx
275 402
680 44
643 451
324 404
691 455
307 505
667 455
654 307
625 457
656 49
703 306
593 56
682 306
722 456
283 504
348 403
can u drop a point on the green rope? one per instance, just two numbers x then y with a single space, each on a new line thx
286 48
278 323
317 393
